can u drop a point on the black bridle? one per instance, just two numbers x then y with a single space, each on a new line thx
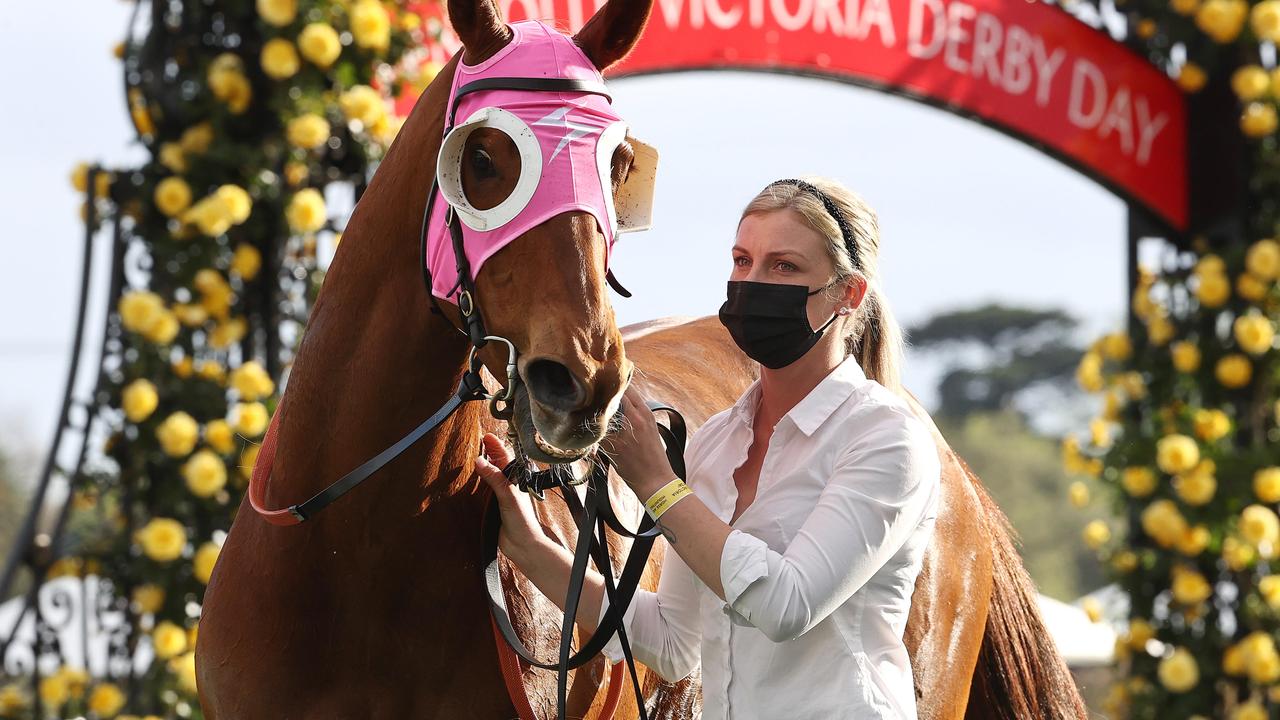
592 515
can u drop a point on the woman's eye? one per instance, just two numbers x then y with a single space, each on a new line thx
740 262
482 165
786 267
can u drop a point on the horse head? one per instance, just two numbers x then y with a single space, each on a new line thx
539 181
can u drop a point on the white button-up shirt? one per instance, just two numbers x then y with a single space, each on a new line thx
819 569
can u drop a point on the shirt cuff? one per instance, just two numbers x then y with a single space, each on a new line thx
613 648
743 561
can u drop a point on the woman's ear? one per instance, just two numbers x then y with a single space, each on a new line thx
855 289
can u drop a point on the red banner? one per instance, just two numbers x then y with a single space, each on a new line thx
1024 67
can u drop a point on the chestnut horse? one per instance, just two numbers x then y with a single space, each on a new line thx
376 607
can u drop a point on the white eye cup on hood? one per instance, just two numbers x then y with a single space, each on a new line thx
632 209
449 168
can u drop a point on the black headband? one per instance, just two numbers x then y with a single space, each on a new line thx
832 209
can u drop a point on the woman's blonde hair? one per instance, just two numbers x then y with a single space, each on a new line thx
871 332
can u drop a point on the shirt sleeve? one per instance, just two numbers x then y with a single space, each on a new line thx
664 626
879 492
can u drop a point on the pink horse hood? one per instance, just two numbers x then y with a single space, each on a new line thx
566 142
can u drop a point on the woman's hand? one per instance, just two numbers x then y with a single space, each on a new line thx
636 448
521 531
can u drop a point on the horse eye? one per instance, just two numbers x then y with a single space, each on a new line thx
482 165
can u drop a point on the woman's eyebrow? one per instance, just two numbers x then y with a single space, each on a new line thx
776 254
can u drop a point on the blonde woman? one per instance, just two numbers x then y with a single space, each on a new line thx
813 497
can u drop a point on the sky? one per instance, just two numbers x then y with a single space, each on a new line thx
967 215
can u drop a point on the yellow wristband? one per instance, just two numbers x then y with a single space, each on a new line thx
670 494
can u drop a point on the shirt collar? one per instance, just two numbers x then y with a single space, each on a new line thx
809 414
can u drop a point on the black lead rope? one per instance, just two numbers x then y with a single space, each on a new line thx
592 516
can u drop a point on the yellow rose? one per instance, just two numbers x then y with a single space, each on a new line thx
196 139
1263 257
1191 77
227 82
172 157
1265 669
1198 486
1179 672
1078 494
248 459
1209 264
1222 20
1233 660
183 367
1116 346
251 419
205 474
386 129
238 202
1134 386
1265 20
1212 289
1190 587
277 12
1177 453
1186 356
148 599
246 261
1269 588
306 212
190 315
169 640
1162 521
1234 371
228 332
1100 433
106 700
308 131
251 381
1266 484
54 691
1259 524
212 215
184 667
211 370
178 434
217 302
1194 541
164 330
1251 288
1211 425
370 25
172 196
139 399
1138 481
1258 119
1124 561
140 310
219 436
1185 7
162 539
1160 330
1237 555
1089 372
1096 534
280 59
364 104
1140 633
208 279
1250 82
12 701
1251 710
295 173
319 44
206 557
80 180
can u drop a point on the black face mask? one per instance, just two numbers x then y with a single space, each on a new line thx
770 321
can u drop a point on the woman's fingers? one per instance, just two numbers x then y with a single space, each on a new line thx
494 456
495 450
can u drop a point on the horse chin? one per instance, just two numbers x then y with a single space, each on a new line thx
533 443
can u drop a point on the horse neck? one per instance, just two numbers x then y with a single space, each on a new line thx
375 362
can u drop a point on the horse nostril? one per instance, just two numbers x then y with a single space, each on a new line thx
553 385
